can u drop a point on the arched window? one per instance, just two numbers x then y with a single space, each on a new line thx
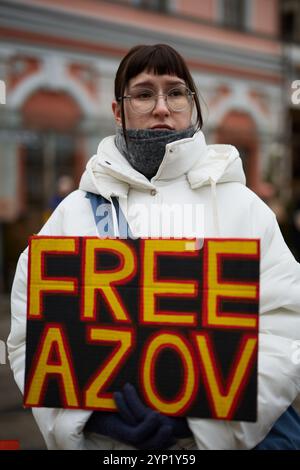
234 13
53 147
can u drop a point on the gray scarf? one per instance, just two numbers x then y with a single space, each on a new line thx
146 147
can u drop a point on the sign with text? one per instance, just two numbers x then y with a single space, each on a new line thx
177 318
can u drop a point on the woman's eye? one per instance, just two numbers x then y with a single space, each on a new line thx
176 92
144 95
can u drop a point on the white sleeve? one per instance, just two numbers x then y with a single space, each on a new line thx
279 328
61 429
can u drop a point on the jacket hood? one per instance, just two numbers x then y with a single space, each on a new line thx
109 173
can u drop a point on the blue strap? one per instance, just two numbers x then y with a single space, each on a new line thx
103 216
285 434
124 229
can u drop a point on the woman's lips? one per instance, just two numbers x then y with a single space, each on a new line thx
162 126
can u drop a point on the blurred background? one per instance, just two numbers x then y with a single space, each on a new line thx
58 59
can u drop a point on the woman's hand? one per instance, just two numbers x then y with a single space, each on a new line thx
133 410
137 425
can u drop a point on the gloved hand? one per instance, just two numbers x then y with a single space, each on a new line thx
148 432
133 410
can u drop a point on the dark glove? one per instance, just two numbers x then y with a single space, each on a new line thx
146 433
133 411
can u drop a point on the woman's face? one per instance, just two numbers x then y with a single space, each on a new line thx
161 117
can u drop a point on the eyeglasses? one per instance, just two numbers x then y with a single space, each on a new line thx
144 100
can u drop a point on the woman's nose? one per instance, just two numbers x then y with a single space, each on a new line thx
161 106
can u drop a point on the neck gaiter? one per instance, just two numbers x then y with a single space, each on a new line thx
146 147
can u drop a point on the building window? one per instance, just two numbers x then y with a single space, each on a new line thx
155 5
234 13
290 20
47 157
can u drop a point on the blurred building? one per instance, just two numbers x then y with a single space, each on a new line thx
290 27
58 60
290 32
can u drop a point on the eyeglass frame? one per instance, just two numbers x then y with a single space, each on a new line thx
165 95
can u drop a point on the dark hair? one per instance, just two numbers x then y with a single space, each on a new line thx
159 59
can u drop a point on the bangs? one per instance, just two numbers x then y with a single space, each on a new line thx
159 60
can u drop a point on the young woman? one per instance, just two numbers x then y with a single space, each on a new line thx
159 157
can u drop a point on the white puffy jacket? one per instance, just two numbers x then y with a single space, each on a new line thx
195 173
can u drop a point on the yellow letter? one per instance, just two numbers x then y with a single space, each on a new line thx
224 399
188 387
104 280
214 289
152 287
38 283
53 336
112 365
